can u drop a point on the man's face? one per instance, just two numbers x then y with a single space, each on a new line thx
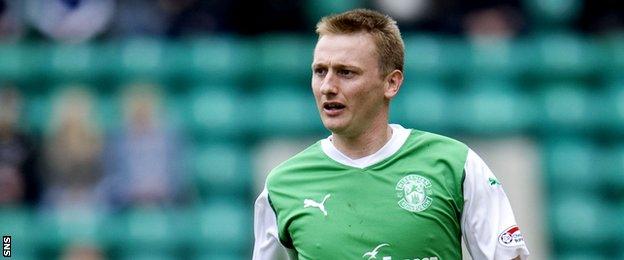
347 83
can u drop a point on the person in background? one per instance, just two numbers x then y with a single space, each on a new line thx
73 151
141 164
11 21
19 176
70 21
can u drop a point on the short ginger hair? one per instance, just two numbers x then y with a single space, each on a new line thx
382 28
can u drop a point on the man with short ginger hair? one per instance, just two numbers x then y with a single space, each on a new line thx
374 190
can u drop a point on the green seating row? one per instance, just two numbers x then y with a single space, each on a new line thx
219 170
219 227
227 111
279 58
583 183
577 164
584 223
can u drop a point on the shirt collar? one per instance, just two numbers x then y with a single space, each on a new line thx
399 136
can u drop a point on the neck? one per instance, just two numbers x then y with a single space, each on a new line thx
364 144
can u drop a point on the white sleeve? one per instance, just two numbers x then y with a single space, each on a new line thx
267 245
488 223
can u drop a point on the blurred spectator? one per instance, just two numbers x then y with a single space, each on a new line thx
488 18
169 17
195 16
140 160
19 179
73 151
70 21
405 11
139 17
501 17
81 251
11 23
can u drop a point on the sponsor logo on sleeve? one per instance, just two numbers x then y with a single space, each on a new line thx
511 237
494 182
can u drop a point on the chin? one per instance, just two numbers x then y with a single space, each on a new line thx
335 127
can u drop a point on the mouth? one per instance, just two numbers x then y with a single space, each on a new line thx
333 108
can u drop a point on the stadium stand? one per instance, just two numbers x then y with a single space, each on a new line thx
227 92
220 95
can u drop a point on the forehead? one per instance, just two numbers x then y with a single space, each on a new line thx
346 49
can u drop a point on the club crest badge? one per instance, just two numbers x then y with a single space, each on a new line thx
414 192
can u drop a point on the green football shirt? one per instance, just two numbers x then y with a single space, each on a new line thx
406 201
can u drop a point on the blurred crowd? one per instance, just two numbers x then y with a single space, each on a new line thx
80 20
74 165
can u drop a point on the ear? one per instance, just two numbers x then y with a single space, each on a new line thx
393 83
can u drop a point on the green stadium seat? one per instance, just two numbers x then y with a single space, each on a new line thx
20 225
220 60
583 255
109 112
614 57
137 58
612 164
217 111
429 57
220 169
13 64
620 227
496 109
221 225
174 111
570 165
611 113
566 109
59 228
70 62
37 112
140 230
592 227
177 55
288 110
422 105
284 59
560 56
106 62
492 58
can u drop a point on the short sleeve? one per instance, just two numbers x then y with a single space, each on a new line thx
267 245
488 223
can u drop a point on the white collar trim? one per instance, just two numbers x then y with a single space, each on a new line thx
399 136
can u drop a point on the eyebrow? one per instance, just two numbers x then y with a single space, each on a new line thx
337 66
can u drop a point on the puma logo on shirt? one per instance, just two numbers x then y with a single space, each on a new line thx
321 206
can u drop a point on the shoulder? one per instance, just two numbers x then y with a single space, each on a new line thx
439 146
435 138
309 156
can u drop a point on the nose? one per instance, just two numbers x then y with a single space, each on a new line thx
329 85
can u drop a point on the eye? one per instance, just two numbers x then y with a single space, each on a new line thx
320 71
345 72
